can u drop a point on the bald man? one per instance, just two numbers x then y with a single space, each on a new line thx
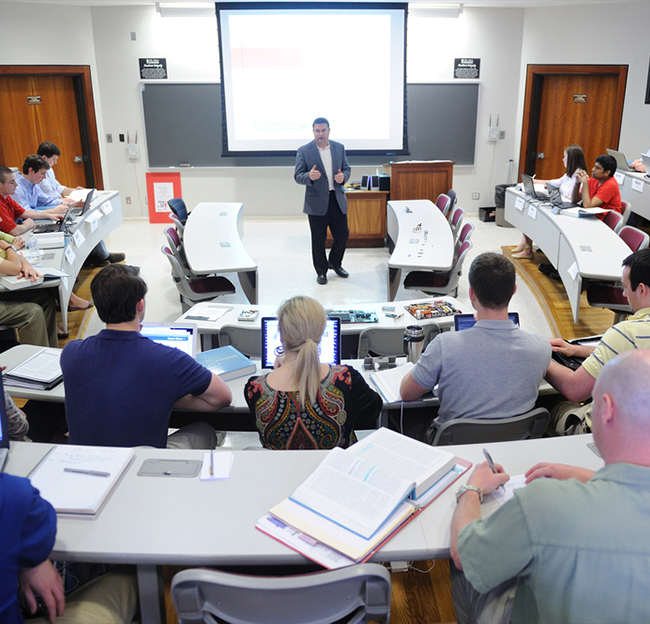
570 547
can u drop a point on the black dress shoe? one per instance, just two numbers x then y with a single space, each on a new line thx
340 271
113 258
548 269
322 279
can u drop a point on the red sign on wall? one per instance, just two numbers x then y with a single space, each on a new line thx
161 187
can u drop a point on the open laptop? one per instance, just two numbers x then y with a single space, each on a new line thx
467 321
529 187
183 336
329 347
621 161
58 226
4 428
646 163
555 197
79 212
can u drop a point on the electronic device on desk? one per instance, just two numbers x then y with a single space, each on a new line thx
466 321
247 315
380 183
58 226
183 336
79 212
432 309
646 163
529 188
365 183
329 347
353 316
573 361
557 202
621 160
4 429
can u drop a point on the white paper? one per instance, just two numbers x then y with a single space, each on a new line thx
52 272
162 193
93 219
107 208
638 185
505 494
43 366
532 211
519 203
221 463
619 177
573 270
79 238
70 254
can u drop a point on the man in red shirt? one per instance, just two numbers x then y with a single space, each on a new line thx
601 190
10 210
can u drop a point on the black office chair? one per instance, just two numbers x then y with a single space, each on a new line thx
179 209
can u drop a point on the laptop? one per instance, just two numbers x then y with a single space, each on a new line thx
556 200
329 347
59 226
79 212
529 187
646 163
467 321
183 336
4 428
621 161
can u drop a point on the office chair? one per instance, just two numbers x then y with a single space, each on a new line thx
465 234
635 239
609 296
436 282
475 430
456 221
358 593
192 291
452 196
380 341
444 203
176 248
614 220
247 340
180 228
179 209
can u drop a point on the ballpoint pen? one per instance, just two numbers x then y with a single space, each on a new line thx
92 473
490 462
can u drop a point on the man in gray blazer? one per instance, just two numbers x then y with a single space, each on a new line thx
323 168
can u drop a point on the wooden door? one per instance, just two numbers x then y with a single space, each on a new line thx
51 103
567 105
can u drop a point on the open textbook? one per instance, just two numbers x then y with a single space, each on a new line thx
359 497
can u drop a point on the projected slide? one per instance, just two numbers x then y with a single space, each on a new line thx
285 64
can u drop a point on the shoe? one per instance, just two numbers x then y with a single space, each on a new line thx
92 264
548 269
73 309
322 279
339 270
61 335
519 248
113 258
525 253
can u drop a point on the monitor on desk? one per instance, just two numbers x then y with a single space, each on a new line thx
329 347
466 321
183 336
4 428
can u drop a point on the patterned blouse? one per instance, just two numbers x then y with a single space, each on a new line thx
345 402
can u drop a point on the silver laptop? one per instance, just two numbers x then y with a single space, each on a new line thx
528 183
646 163
621 161
4 428
555 197
183 336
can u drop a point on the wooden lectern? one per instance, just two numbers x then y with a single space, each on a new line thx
420 179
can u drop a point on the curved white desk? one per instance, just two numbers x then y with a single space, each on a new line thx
212 242
422 239
577 248
635 190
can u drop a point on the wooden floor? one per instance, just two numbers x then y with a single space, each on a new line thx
419 596
553 301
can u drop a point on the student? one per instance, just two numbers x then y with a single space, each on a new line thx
601 189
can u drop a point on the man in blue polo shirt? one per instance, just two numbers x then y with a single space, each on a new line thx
120 387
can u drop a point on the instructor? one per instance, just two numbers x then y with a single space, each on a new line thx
323 168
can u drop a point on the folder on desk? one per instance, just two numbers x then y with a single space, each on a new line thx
42 371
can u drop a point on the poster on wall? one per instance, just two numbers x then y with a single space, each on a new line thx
466 68
161 187
153 68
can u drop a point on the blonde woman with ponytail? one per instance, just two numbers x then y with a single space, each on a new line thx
302 403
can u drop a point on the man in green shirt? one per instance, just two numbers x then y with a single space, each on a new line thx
571 546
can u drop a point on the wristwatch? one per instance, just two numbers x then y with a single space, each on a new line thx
463 489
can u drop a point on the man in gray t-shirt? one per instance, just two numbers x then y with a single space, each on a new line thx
492 370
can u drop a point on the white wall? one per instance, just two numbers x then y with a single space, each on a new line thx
505 40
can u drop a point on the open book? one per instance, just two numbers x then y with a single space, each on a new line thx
42 371
359 497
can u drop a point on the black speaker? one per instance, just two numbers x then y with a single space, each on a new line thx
365 183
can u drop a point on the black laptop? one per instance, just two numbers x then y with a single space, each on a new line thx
79 212
59 226
555 197
529 187
4 428
467 321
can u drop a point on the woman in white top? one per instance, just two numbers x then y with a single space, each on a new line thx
569 185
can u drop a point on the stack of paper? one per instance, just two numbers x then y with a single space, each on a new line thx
42 371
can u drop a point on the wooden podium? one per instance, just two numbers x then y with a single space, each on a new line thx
366 219
424 179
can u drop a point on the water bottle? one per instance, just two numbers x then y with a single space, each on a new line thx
34 251
413 342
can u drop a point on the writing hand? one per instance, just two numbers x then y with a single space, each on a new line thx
314 174
487 480
339 178
28 272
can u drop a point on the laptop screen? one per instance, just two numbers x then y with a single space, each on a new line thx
466 321
183 336
528 184
329 346
4 427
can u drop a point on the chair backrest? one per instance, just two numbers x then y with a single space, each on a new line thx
465 235
474 431
178 208
358 593
247 340
175 247
180 228
444 203
452 196
456 221
614 220
626 209
390 340
636 239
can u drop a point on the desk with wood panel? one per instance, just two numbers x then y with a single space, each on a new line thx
420 179
366 219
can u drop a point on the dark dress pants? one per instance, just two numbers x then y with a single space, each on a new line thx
338 225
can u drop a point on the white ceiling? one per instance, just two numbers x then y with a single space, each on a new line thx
427 3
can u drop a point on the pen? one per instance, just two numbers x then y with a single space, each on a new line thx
490 462
212 463
92 473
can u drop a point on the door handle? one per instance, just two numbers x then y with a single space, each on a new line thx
78 159
540 155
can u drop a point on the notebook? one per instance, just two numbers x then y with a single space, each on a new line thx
329 346
466 321
621 161
529 187
4 428
183 336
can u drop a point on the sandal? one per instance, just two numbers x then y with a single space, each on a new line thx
73 309
525 254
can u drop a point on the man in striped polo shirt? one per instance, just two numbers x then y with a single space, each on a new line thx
570 417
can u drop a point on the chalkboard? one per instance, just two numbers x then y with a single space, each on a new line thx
183 126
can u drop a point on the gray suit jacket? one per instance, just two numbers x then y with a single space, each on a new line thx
317 191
